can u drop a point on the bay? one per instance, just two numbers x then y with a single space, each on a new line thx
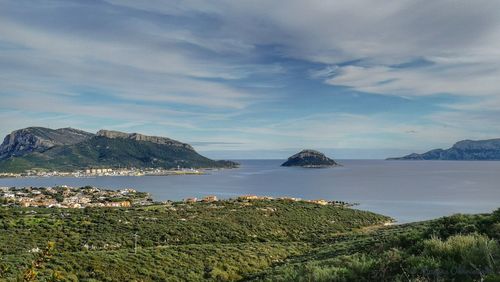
405 190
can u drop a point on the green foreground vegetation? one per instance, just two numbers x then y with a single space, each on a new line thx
239 240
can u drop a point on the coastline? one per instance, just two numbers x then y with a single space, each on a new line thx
113 172
63 196
409 191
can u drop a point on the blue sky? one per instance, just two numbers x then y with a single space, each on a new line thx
257 79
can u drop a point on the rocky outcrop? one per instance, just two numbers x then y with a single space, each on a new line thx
310 159
38 139
140 137
462 150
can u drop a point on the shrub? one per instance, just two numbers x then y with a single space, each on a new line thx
464 255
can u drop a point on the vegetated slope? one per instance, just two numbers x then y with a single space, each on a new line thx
38 139
463 150
257 240
100 151
225 240
455 248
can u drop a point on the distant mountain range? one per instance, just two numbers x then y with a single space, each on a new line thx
463 150
69 149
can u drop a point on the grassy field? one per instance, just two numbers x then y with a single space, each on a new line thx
233 240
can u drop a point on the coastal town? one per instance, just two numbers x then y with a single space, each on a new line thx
105 171
88 196
71 197
250 198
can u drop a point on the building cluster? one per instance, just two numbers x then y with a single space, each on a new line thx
92 172
206 199
8 174
291 199
88 196
98 170
248 198
254 198
71 197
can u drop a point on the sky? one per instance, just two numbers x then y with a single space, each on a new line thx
257 79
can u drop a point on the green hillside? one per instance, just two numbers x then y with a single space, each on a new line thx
240 241
100 151
455 248
225 240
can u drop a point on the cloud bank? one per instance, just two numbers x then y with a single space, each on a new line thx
258 74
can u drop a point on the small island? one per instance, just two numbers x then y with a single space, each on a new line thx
310 159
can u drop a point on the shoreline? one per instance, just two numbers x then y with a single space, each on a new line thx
64 196
113 172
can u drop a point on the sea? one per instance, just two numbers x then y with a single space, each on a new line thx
405 190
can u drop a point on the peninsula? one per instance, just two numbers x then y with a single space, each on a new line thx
70 150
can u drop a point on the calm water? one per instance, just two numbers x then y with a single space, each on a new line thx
405 190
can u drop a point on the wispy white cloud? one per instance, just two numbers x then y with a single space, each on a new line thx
460 38
478 79
350 131
214 70
50 61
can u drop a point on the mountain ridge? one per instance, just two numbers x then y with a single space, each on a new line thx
488 149
38 139
106 148
141 137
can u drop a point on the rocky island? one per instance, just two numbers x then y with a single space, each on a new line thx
310 159
465 150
